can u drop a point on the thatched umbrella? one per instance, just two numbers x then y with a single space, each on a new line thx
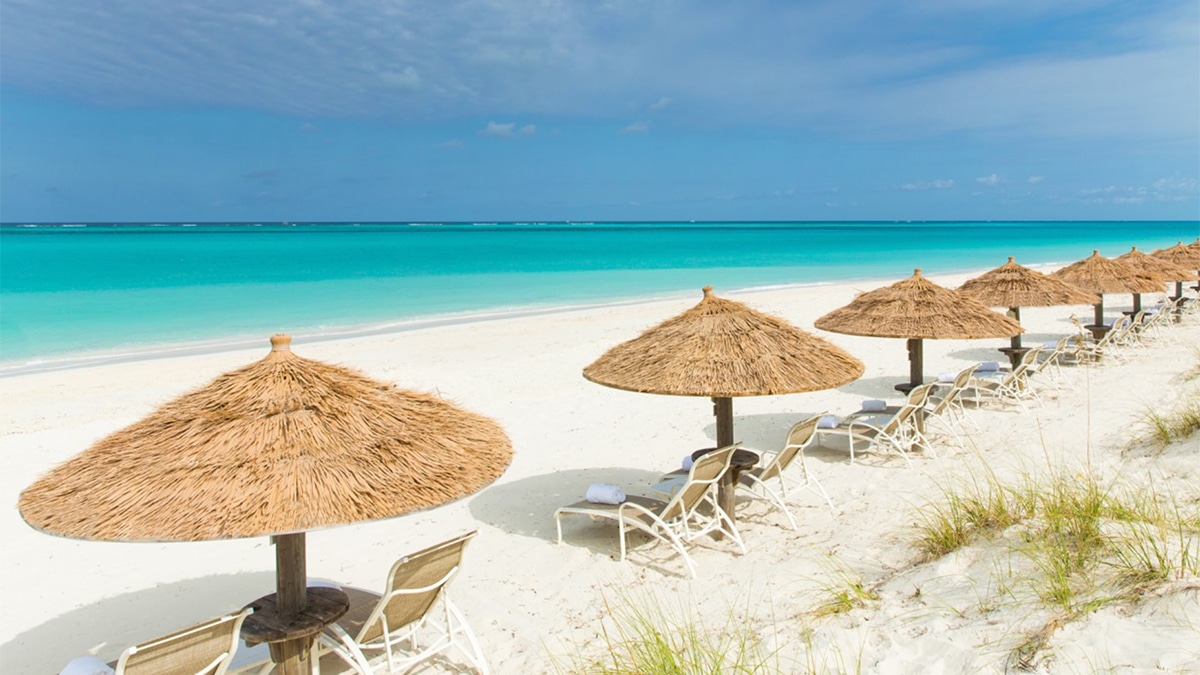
722 349
1182 256
1164 270
278 447
918 309
1102 275
1014 286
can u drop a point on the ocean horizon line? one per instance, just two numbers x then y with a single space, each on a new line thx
359 222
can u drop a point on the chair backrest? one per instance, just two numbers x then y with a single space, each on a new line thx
204 649
956 390
900 419
1016 376
414 584
798 438
919 395
1030 357
705 472
917 398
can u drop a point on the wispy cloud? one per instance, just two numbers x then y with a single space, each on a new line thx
1034 180
452 144
661 103
990 181
937 184
507 130
637 128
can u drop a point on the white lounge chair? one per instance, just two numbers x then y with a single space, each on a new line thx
758 482
948 412
402 628
897 432
1013 388
689 514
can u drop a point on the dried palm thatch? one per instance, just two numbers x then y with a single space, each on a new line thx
722 348
1012 285
283 445
1102 275
1187 257
918 309
1184 256
1149 265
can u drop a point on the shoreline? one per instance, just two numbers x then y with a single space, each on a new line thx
239 342
233 343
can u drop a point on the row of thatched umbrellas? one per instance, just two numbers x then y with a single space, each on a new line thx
288 444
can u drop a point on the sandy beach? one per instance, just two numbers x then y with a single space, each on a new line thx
535 604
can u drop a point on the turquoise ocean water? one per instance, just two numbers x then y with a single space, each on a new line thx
67 291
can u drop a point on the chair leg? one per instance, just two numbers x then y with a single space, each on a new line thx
475 655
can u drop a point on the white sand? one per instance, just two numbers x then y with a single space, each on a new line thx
533 602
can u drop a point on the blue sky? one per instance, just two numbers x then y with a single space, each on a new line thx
379 110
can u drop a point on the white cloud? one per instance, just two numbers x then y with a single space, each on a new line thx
496 130
507 130
637 128
937 184
660 103
1176 189
990 181
403 79
1034 180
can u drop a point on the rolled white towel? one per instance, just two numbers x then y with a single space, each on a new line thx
988 367
86 665
947 377
687 463
874 405
827 422
603 493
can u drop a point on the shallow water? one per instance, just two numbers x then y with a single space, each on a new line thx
104 287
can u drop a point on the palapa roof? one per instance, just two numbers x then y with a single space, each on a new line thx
1012 285
722 348
1149 265
918 308
1101 275
1184 256
282 445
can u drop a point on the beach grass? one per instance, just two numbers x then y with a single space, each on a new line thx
646 637
840 589
1087 542
649 636
1175 423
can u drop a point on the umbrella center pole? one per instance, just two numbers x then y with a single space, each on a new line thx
916 349
1015 314
723 410
291 589
1137 302
1099 313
